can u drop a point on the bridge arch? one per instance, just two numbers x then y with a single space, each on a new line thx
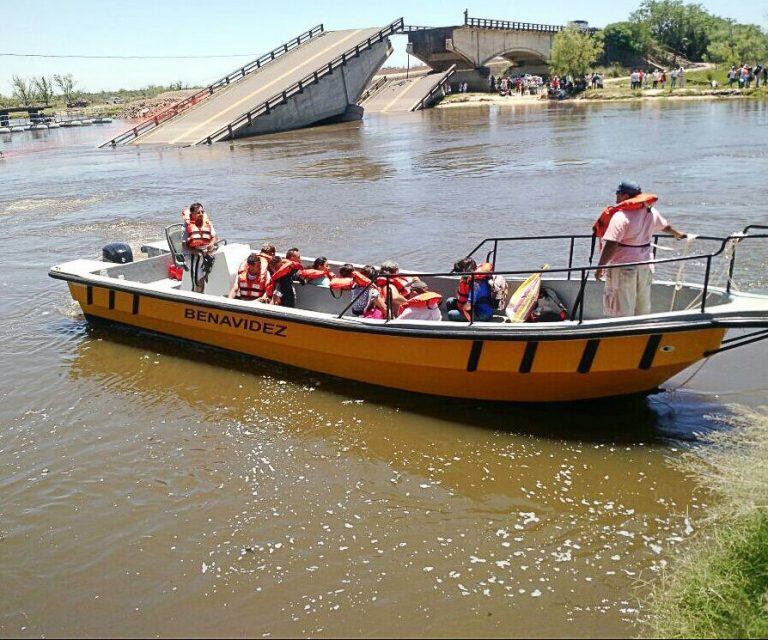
517 54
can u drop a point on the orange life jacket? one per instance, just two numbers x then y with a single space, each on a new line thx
286 269
346 284
481 273
186 213
316 274
420 301
249 287
401 284
263 271
199 236
644 201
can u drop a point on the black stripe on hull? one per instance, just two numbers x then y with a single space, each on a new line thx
529 355
474 355
588 357
651 347
111 299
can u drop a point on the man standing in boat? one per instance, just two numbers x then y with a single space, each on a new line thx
200 240
626 232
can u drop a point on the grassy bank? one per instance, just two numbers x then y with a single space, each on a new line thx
99 102
719 586
689 91
698 83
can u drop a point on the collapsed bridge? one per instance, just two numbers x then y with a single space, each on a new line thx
322 76
314 78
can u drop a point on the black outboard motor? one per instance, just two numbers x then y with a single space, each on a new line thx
118 252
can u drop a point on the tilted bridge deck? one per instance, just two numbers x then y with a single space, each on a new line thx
257 92
406 94
222 83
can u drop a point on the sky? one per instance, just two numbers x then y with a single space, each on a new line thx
246 28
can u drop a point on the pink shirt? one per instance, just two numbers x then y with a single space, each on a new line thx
635 228
421 313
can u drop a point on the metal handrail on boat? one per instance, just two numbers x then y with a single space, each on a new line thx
582 270
176 253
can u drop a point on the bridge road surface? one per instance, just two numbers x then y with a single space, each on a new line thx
398 96
221 108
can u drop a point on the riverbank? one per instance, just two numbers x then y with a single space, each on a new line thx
709 83
476 99
609 94
718 588
149 103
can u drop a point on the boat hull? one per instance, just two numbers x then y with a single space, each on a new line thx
519 369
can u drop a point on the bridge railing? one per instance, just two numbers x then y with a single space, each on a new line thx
307 81
437 87
372 88
190 101
485 23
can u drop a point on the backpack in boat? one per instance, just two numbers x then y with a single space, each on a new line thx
549 308
500 291
364 301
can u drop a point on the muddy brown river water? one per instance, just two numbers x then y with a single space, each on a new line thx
148 487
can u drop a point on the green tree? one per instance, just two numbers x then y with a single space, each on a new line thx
23 89
739 43
632 37
684 28
66 85
575 51
44 89
751 43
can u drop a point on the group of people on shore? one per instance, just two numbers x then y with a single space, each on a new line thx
461 87
639 79
625 231
745 75
521 85
657 78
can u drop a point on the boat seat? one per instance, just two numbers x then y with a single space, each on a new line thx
165 284
224 271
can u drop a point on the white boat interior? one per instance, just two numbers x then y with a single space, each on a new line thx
670 300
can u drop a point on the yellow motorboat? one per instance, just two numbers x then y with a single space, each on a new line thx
585 356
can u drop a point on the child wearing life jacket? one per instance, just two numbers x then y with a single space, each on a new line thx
319 274
251 281
348 278
468 297
280 288
368 303
398 290
422 304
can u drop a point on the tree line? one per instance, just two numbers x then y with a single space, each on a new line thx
42 89
687 30
45 90
661 28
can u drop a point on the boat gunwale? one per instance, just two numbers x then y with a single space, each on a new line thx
595 328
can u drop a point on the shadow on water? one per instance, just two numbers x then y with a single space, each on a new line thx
660 418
